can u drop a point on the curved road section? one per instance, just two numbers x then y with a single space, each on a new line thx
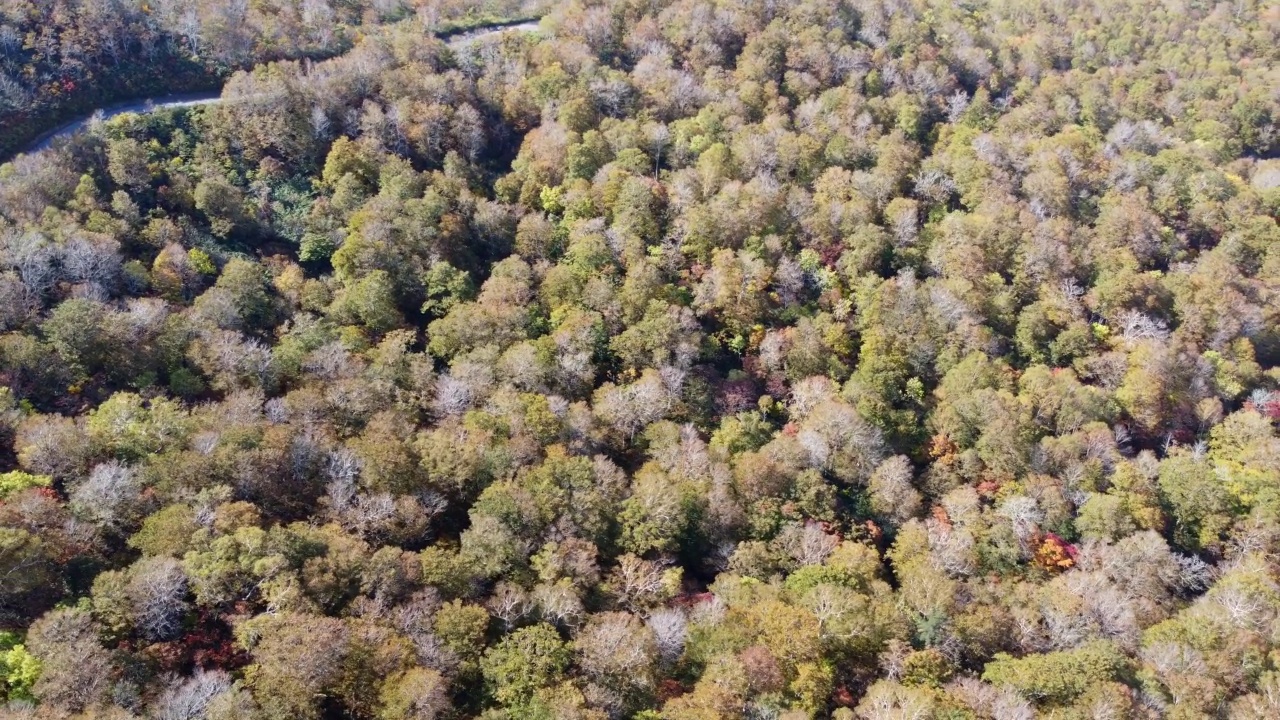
460 40
133 106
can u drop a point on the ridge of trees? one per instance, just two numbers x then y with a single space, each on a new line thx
63 58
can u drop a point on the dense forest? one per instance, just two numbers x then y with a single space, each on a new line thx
679 360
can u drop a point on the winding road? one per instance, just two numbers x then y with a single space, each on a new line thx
459 40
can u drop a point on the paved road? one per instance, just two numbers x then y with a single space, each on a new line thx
133 106
188 100
466 38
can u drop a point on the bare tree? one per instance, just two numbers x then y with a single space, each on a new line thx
891 493
618 649
559 603
510 604
158 592
190 698
638 583
109 497
18 303
468 131
1134 325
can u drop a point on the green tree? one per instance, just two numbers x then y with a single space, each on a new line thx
523 662
1058 677
222 204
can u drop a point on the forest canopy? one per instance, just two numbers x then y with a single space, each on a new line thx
677 360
